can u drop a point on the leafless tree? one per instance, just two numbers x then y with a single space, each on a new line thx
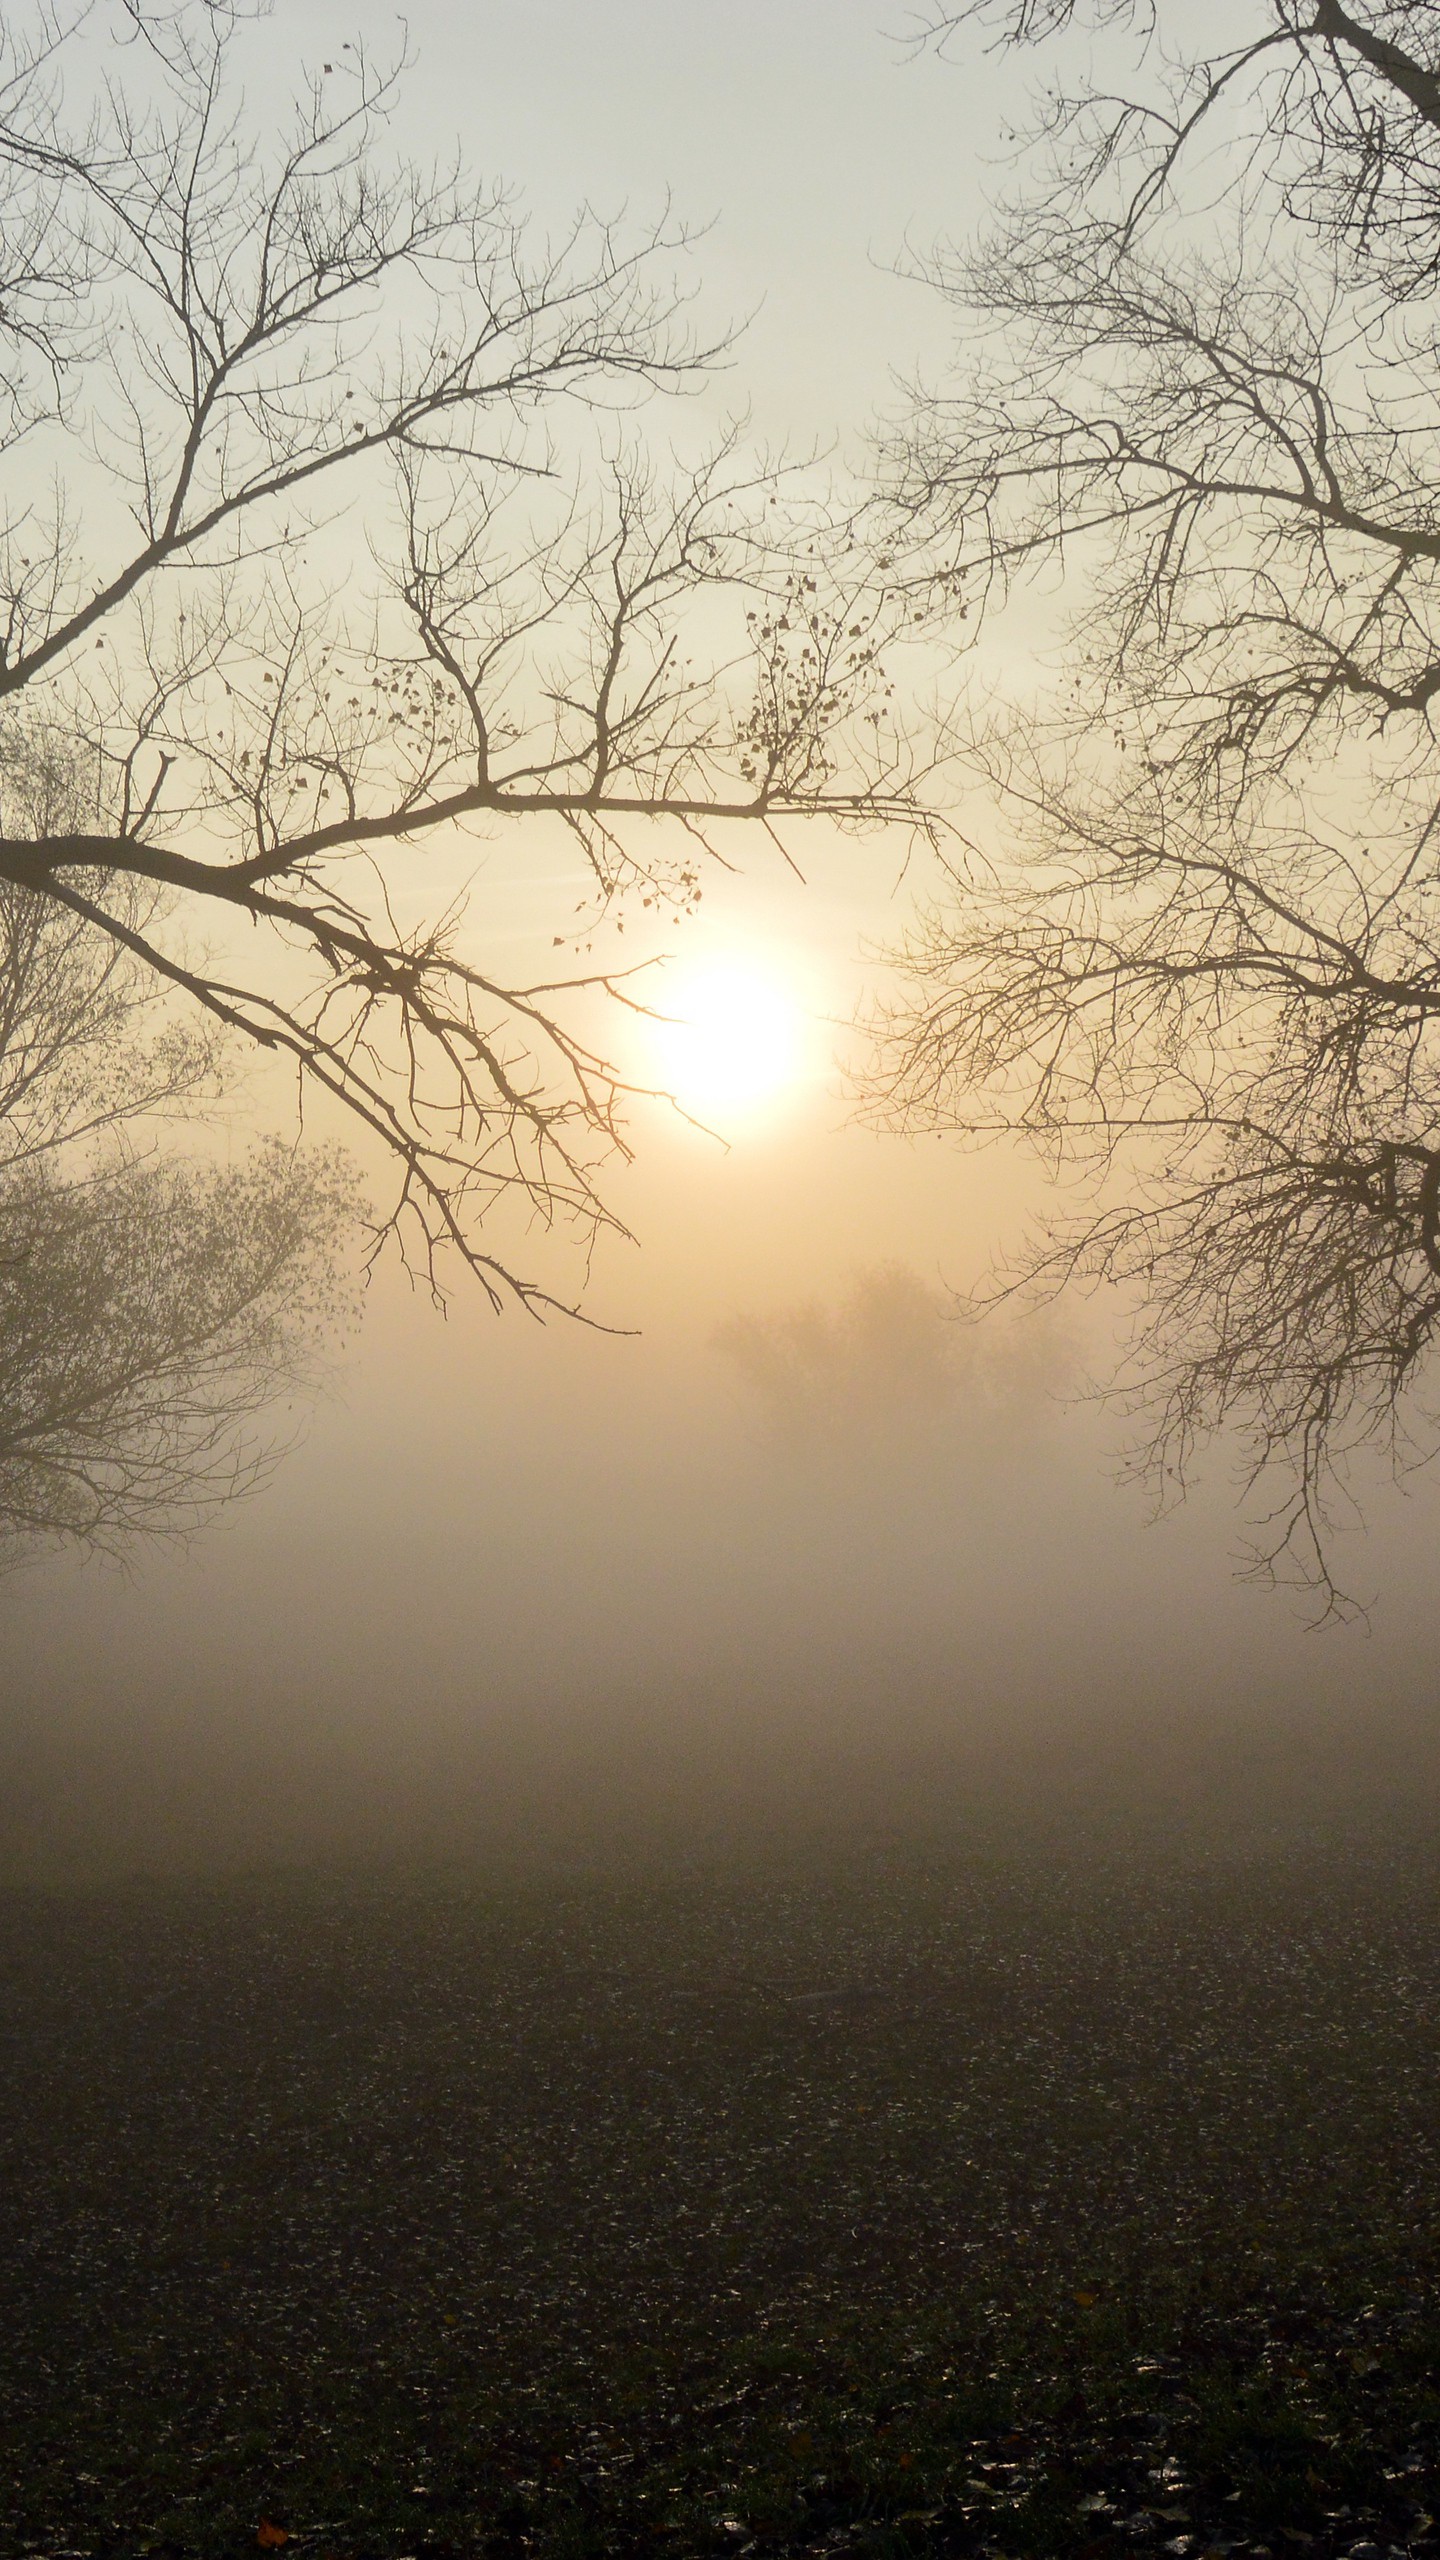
888 1377
1194 956
883 1365
154 1307
153 1314
326 532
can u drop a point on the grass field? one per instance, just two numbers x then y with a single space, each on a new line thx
1011 2197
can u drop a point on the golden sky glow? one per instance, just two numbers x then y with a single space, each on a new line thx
732 1044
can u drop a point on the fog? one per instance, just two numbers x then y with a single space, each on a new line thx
801 1561
793 1558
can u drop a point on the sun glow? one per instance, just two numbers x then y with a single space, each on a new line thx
731 1043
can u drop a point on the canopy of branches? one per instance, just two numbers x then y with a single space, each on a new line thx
1198 403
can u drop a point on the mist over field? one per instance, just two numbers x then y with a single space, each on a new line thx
805 1561
837 1569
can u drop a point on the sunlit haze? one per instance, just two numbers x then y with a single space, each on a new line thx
732 1045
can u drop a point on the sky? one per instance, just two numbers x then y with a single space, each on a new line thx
555 1590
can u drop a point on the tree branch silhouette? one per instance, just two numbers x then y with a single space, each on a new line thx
1195 958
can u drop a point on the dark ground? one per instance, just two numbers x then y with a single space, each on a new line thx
1020 2199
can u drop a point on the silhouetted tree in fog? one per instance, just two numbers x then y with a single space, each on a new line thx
320 532
152 1307
1194 957
149 1316
888 1371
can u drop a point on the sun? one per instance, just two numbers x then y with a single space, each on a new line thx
731 1043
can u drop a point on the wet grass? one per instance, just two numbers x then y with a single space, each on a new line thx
999 2200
